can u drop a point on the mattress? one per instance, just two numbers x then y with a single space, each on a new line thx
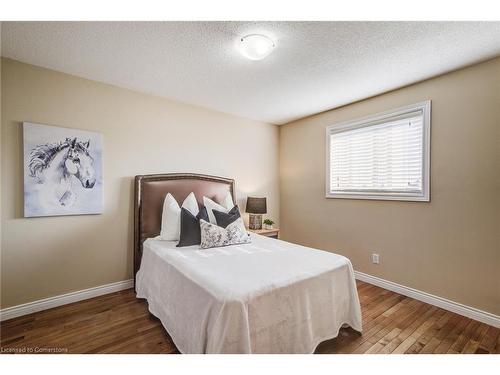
268 296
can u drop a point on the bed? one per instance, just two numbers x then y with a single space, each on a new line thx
267 296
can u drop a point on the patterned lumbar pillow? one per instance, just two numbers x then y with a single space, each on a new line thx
215 236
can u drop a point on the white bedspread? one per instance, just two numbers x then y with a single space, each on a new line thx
269 296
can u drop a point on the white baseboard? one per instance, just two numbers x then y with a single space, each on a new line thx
63 299
458 308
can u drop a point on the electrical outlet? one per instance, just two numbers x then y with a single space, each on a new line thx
375 259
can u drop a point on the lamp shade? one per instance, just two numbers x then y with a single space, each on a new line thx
256 205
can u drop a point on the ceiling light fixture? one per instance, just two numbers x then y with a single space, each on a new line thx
256 46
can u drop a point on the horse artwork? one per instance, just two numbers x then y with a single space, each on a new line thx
62 171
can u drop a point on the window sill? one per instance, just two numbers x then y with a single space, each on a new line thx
381 197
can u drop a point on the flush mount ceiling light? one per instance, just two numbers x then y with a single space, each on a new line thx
256 46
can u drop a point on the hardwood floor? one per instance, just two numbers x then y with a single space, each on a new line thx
120 323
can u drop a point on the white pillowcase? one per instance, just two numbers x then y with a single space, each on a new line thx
171 216
210 205
228 201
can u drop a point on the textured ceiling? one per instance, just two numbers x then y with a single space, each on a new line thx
315 66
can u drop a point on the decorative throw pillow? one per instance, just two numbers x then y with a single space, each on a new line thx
223 219
215 236
171 216
228 201
190 227
211 205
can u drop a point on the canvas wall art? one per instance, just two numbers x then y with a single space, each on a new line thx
62 171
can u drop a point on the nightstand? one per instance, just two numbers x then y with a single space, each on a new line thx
273 233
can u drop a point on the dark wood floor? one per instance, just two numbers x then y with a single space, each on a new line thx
120 323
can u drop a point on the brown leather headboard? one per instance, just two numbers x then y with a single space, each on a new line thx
150 192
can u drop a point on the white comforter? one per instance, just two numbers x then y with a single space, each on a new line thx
269 296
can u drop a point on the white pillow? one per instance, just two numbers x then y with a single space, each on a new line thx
228 201
171 216
210 205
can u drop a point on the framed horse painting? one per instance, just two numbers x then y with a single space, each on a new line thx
62 171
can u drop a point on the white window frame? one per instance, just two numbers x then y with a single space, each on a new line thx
423 196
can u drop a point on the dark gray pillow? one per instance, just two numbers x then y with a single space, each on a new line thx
223 219
190 227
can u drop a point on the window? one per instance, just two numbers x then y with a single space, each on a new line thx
385 156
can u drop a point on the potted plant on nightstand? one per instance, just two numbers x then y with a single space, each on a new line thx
268 224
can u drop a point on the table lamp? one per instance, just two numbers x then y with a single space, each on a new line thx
256 207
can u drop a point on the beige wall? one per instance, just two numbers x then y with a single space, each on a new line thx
43 257
449 247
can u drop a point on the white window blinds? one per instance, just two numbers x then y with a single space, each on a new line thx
380 157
